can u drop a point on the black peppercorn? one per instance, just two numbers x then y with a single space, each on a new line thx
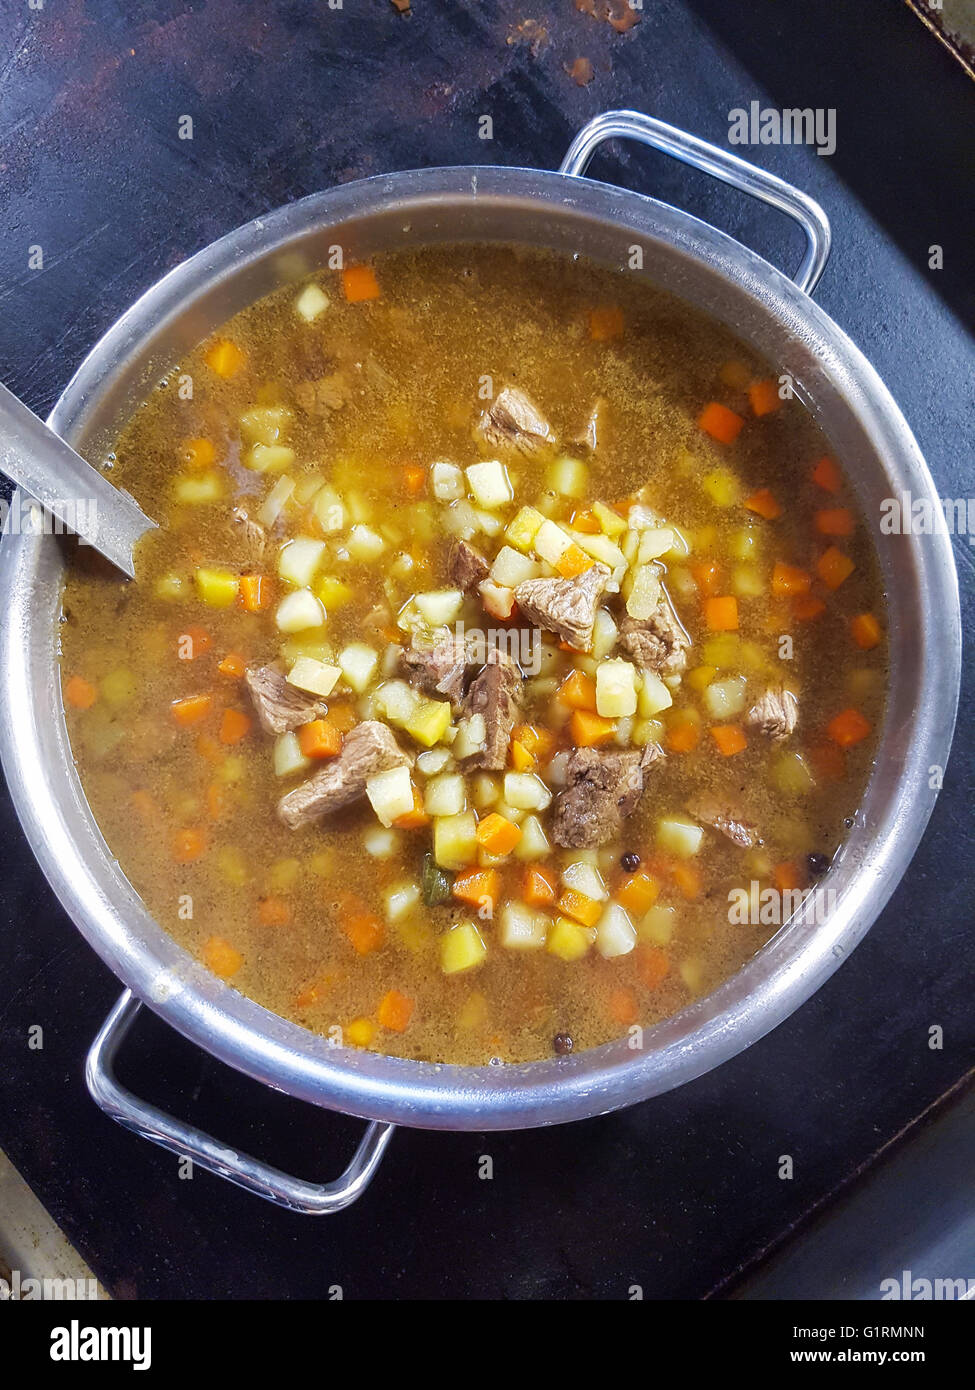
630 862
562 1043
817 864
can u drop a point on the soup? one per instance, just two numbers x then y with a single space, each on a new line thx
506 667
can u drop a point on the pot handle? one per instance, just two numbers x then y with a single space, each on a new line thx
690 149
312 1199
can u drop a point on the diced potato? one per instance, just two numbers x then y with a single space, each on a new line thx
264 424
429 722
487 522
299 610
534 843
485 790
396 700
268 458
604 634
232 865
381 842
568 940
439 606
615 934
358 663
311 303
276 501
583 877
311 643
612 523
445 795
489 484
722 486
791 774
288 757
455 840
725 698
644 592
551 542
461 520
654 542
401 899
299 559
434 760
197 488
603 549
747 581
615 689
471 737
526 792
657 926
522 927
568 477
307 485
216 587
364 543
329 511
691 972
461 948
447 481
498 600
359 507
675 835
314 676
333 592
119 687
390 794
721 650
522 530
511 568
745 543
654 695
170 587
647 731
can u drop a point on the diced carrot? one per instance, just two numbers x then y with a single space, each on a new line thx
806 607
191 709
274 912
342 716
415 819
395 1011
787 877
578 906
687 879
144 805
365 931
638 893
234 725
536 740
683 735
826 475
521 759
573 561
198 453
359 282
578 691
720 423
209 748
721 613
605 323
789 580
199 642
707 576
764 504
188 845
865 631
222 958
319 739
833 567
80 693
835 521
497 834
589 729
480 887
730 739
763 396
233 665
255 592
585 522
308 997
539 887
623 1008
848 727
216 800
224 357
414 478
828 761
652 965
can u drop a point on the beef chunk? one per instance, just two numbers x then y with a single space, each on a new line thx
494 696
659 642
514 420
324 395
466 566
369 748
603 788
438 670
566 607
775 714
730 820
250 533
280 706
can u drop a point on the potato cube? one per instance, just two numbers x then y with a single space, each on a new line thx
489 484
268 458
675 835
447 481
615 934
288 757
522 927
461 948
568 940
390 794
654 695
522 530
314 676
615 689
439 606
401 899
299 610
364 543
534 843
551 542
585 878
216 587
329 511
569 477
358 664
455 840
511 568
311 303
429 722
299 559
445 795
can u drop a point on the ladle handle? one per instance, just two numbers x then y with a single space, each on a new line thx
296 1194
723 165
69 489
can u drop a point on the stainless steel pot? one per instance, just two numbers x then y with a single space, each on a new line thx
569 213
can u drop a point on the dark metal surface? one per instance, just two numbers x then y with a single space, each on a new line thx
286 98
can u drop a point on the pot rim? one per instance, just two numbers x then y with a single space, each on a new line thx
769 987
